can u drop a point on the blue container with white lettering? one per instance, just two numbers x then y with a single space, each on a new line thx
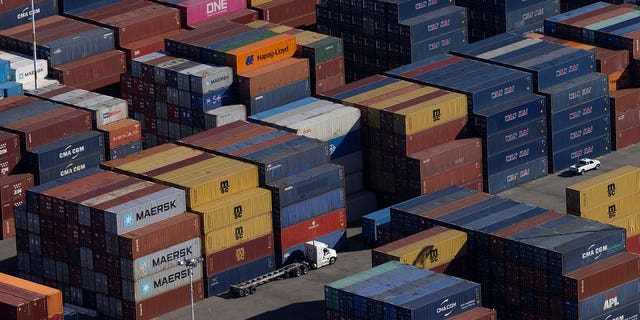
220 282
560 160
10 88
306 184
336 240
535 13
509 114
207 101
308 208
22 14
427 26
629 310
514 176
69 168
577 91
537 27
578 114
398 10
506 159
372 222
435 45
277 97
602 302
125 150
343 145
64 150
74 47
515 136
579 133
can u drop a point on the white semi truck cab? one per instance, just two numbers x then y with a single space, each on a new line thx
319 254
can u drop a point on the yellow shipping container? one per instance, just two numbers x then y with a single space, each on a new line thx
631 223
614 209
427 249
233 209
374 110
307 37
149 160
602 189
237 233
255 3
430 114
351 101
212 179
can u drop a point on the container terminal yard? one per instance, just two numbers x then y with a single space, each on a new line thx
308 159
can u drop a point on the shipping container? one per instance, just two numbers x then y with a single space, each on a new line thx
594 148
478 313
612 209
509 114
309 208
238 255
219 282
311 229
625 311
449 131
603 188
372 224
504 180
223 115
21 13
15 308
444 157
68 167
625 120
53 296
277 97
306 184
37 306
579 114
84 72
14 187
121 132
67 149
579 133
429 25
625 138
576 91
237 233
193 12
233 209
515 136
601 302
160 260
9 145
124 150
278 74
624 99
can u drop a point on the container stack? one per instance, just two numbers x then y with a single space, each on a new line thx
77 53
22 299
577 97
376 227
139 26
17 12
613 198
402 291
10 154
385 34
170 96
55 140
22 72
13 190
110 242
260 56
339 126
307 191
8 87
504 114
283 12
568 5
325 54
193 12
489 18
625 115
235 214
533 263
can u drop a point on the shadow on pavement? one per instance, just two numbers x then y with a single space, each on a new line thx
311 310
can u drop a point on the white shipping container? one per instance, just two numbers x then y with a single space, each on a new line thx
158 283
22 67
160 260
42 83
104 109
325 126
279 114
226 114
206 78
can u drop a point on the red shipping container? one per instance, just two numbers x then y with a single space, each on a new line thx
37 302
444 157
14 308
8 228
311 229
7 165
474 185
91 69
452 130
308 19
633 244
142 47
121 132
9 145
242 16
610 61
625 99
243 253
7 209
329 68
163 303
254 82
278 11
626 137
14 187
457 176
479 313
601 276
329 83
627 119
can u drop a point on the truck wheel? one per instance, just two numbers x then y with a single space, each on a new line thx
314 266
297 272
597 166
252 290
332 260
243 292
304 269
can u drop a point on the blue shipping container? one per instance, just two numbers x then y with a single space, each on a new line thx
463 217
308 209
629 310
5 70
534 14
501 181
577 91
580 133
510 114
336 240
516 136
433 24
439 304
437 44
10 88
22 14
64 150
233 148
603 302
581 113
219 283
75 47
560 160
342 145
372 222
26 111
365 88
283 95
207 101
398 10
125 150
69 168
306 184
532 28
507 159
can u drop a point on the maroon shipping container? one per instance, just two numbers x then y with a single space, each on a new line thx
135 20
366 111
219 137
275 75
37 302
278 11
457 176
479 313
8 228
50 126
330 83
264 145
352 85
242 16
329 68
7 165
627 119
91 69
452 130
633 244
146 46
627 137
601 276
14 187
496 245
474 185
243 253
444 157
7 209
610 61
311 229
162 303
159 235
14 308
623 100
9 145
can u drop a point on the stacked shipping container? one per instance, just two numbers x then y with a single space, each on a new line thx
532 263
283 12
625 115
21 299
235 215
382 34
110 242
194 11
13 190
577 100
306 190
21 72
16 12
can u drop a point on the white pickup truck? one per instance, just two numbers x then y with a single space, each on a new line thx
585 165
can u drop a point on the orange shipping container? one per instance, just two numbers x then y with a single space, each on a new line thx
261 53
54 296
121 132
